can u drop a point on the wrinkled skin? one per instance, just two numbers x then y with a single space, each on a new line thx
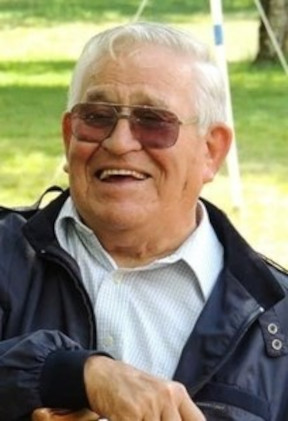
122 393
140 220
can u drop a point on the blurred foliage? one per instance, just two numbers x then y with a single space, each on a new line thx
35 12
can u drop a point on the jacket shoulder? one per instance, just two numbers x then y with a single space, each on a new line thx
26 212
279 272
23 213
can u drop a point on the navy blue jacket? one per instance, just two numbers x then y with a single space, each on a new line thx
234 364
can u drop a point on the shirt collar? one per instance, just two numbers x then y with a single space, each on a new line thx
201 251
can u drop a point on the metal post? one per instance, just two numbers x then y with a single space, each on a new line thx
232 158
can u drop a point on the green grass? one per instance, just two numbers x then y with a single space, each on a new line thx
36 60
260 109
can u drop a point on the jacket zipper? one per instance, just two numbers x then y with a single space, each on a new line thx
254 316
52 254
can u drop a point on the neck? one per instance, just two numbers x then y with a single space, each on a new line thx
140 246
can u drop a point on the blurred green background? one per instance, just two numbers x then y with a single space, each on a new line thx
39 43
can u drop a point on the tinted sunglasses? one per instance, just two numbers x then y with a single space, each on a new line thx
152 127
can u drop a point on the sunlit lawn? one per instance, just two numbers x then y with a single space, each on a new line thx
35 66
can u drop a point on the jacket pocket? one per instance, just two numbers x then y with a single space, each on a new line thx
221 402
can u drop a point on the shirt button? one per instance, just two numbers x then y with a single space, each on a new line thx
272 328
109 341
277 344
117 277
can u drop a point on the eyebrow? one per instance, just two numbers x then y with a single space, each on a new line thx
99 95
95 96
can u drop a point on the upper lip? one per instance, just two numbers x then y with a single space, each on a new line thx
106 172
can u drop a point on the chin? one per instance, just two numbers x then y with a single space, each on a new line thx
116 218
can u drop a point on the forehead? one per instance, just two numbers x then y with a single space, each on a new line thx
144 73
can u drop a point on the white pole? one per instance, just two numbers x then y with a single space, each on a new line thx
232 158
140 10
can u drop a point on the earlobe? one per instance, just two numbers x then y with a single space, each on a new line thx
218 141
66 167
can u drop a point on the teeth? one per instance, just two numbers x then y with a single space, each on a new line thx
110 172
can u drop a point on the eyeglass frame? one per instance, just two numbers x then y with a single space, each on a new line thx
122 115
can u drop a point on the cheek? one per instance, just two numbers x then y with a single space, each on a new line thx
79 157
193 171
80 153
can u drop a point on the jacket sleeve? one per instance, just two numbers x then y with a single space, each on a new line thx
40 368
44 368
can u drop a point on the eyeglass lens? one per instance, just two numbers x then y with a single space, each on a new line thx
152 127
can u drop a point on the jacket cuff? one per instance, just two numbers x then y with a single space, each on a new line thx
62 379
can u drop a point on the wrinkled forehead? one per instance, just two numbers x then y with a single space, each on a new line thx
146 75
141 63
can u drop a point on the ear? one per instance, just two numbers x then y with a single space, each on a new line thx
66 131
218 141
66 136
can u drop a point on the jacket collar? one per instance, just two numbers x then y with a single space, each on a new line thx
243 263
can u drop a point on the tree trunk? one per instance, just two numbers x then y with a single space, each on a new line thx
277 14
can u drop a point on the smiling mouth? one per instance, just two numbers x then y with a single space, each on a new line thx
116 175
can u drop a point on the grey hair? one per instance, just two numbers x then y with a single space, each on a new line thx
210 97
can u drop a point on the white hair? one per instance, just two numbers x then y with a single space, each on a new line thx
209 97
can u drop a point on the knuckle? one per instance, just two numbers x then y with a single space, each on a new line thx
179 388
174 390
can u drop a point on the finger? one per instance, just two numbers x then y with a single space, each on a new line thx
46 414
41 414
189 411
84 415
170 414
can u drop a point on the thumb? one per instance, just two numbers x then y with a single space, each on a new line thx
41 414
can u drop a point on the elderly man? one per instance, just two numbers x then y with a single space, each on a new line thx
128 296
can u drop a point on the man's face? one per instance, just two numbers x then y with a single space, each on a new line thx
121 185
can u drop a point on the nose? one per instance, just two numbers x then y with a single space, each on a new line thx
121 140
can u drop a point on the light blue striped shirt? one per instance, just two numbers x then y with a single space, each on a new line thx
144 315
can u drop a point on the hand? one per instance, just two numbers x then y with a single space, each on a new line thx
119 392
46 414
